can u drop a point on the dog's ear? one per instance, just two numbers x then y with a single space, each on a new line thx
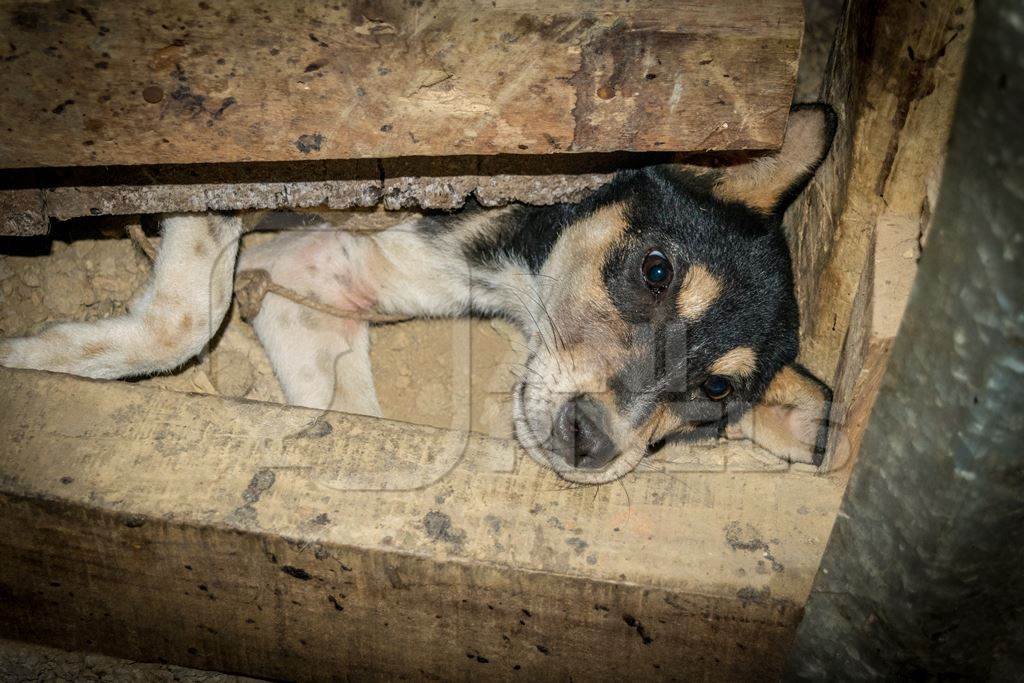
770 182
791 420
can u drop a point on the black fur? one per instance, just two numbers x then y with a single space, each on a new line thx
529 233
673 211
526 234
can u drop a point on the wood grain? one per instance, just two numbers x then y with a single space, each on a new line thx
290 544
859 229
172 81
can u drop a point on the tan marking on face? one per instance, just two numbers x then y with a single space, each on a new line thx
662 422
579 302
700 289
740 362
185 324
200 248
583 339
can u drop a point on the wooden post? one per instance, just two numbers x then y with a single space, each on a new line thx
858 231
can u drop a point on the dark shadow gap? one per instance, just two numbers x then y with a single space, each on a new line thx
340 169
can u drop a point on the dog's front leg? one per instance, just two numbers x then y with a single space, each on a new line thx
322 360
168 322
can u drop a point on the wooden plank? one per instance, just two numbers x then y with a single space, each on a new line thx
285 543
411 182
859 229
170 81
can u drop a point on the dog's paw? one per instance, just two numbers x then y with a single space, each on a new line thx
41 352
56 350
791 421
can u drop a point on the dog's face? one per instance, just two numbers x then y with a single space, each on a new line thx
669 310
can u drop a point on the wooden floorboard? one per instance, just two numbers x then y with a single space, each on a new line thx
280 542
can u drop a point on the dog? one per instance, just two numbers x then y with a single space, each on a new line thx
659 307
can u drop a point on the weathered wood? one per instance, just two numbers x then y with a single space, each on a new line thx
171 82
858 230
22 212
421 182
280 542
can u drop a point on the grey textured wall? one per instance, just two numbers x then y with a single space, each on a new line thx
924 572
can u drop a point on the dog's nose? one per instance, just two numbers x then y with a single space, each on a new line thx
580 434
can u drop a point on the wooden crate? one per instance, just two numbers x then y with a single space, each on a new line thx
259 538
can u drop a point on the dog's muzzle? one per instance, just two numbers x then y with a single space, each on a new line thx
579 434
576 444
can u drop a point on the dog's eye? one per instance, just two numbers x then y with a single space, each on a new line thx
657 270
717 387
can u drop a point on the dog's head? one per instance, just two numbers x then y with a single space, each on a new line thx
668 309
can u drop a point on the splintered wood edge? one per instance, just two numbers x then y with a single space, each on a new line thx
29 211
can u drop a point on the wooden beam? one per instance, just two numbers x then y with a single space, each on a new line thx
169 81
286 543
410 182
858 231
